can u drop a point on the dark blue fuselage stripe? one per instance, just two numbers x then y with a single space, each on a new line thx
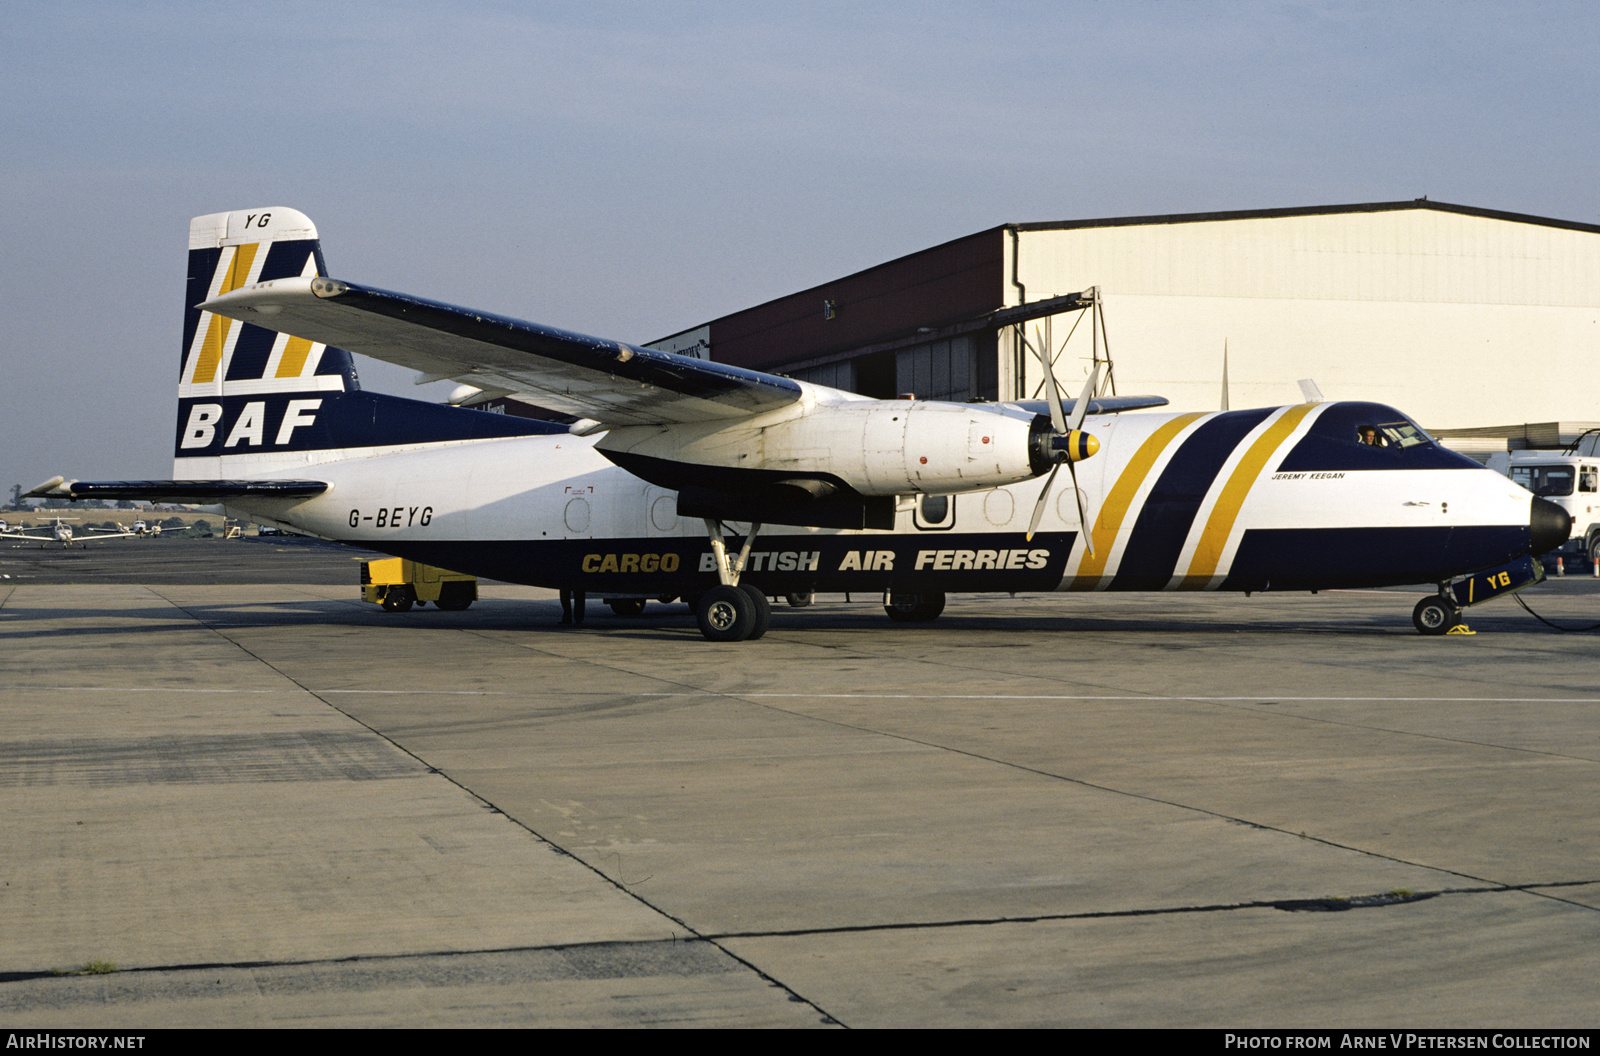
1275 559
1318 558
563 562
1169 512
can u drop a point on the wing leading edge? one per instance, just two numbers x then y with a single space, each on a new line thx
611 382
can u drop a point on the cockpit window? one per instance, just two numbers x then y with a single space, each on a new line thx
1544 480
1392 434
1348 435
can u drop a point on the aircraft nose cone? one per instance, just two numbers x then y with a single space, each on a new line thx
1549 526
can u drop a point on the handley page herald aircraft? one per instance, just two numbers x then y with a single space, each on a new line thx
690 478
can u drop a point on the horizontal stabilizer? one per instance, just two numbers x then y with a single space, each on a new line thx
190 491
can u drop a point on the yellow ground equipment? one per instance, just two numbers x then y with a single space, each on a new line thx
397 584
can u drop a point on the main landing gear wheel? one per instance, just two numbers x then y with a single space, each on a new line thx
763 611
398 599
626 606
727 614
1434 615
915 608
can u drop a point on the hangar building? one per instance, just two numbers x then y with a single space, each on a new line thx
1472 321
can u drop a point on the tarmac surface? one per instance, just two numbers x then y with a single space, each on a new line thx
252 800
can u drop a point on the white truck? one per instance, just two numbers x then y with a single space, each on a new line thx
1570 478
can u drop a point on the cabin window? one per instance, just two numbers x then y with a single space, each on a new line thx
935 513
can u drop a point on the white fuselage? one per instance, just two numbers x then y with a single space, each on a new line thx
1174 504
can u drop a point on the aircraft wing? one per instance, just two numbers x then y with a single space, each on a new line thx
610 382
1098 405
103 537
199 492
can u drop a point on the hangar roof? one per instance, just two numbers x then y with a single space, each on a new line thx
962 280
1309 210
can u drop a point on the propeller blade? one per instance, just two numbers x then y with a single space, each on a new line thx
1065 435
1038 509
1058 421
1082 408
1083 513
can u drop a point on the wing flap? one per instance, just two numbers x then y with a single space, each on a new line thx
611 382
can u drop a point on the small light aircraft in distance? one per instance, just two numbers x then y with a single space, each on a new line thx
137 530
60 531
689 478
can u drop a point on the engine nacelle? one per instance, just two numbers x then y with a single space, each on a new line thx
872 447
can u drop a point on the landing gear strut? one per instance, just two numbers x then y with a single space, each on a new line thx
732 611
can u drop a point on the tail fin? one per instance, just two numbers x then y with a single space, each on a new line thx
252 400
243 389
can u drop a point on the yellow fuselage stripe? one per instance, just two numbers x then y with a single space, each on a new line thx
1208 553
1115 510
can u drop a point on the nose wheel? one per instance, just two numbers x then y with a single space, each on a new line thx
1435 615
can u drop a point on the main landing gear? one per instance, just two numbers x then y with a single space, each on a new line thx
734 614
913 608
732 611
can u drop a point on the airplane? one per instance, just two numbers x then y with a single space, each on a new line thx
138 530
61 532
721 485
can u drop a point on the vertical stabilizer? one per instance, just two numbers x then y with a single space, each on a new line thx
244 390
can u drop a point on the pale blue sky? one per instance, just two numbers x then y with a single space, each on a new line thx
631 169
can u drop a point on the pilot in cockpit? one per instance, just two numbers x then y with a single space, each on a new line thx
1368 434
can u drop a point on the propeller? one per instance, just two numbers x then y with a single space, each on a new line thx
1066 442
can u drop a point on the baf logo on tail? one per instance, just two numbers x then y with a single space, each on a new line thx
244 388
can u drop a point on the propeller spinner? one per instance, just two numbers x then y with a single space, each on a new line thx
1063 442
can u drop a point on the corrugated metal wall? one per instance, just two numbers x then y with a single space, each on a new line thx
1459 320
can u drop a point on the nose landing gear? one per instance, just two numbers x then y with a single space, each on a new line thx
1441 613
1435 615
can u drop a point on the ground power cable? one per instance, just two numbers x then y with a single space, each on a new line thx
1557 626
